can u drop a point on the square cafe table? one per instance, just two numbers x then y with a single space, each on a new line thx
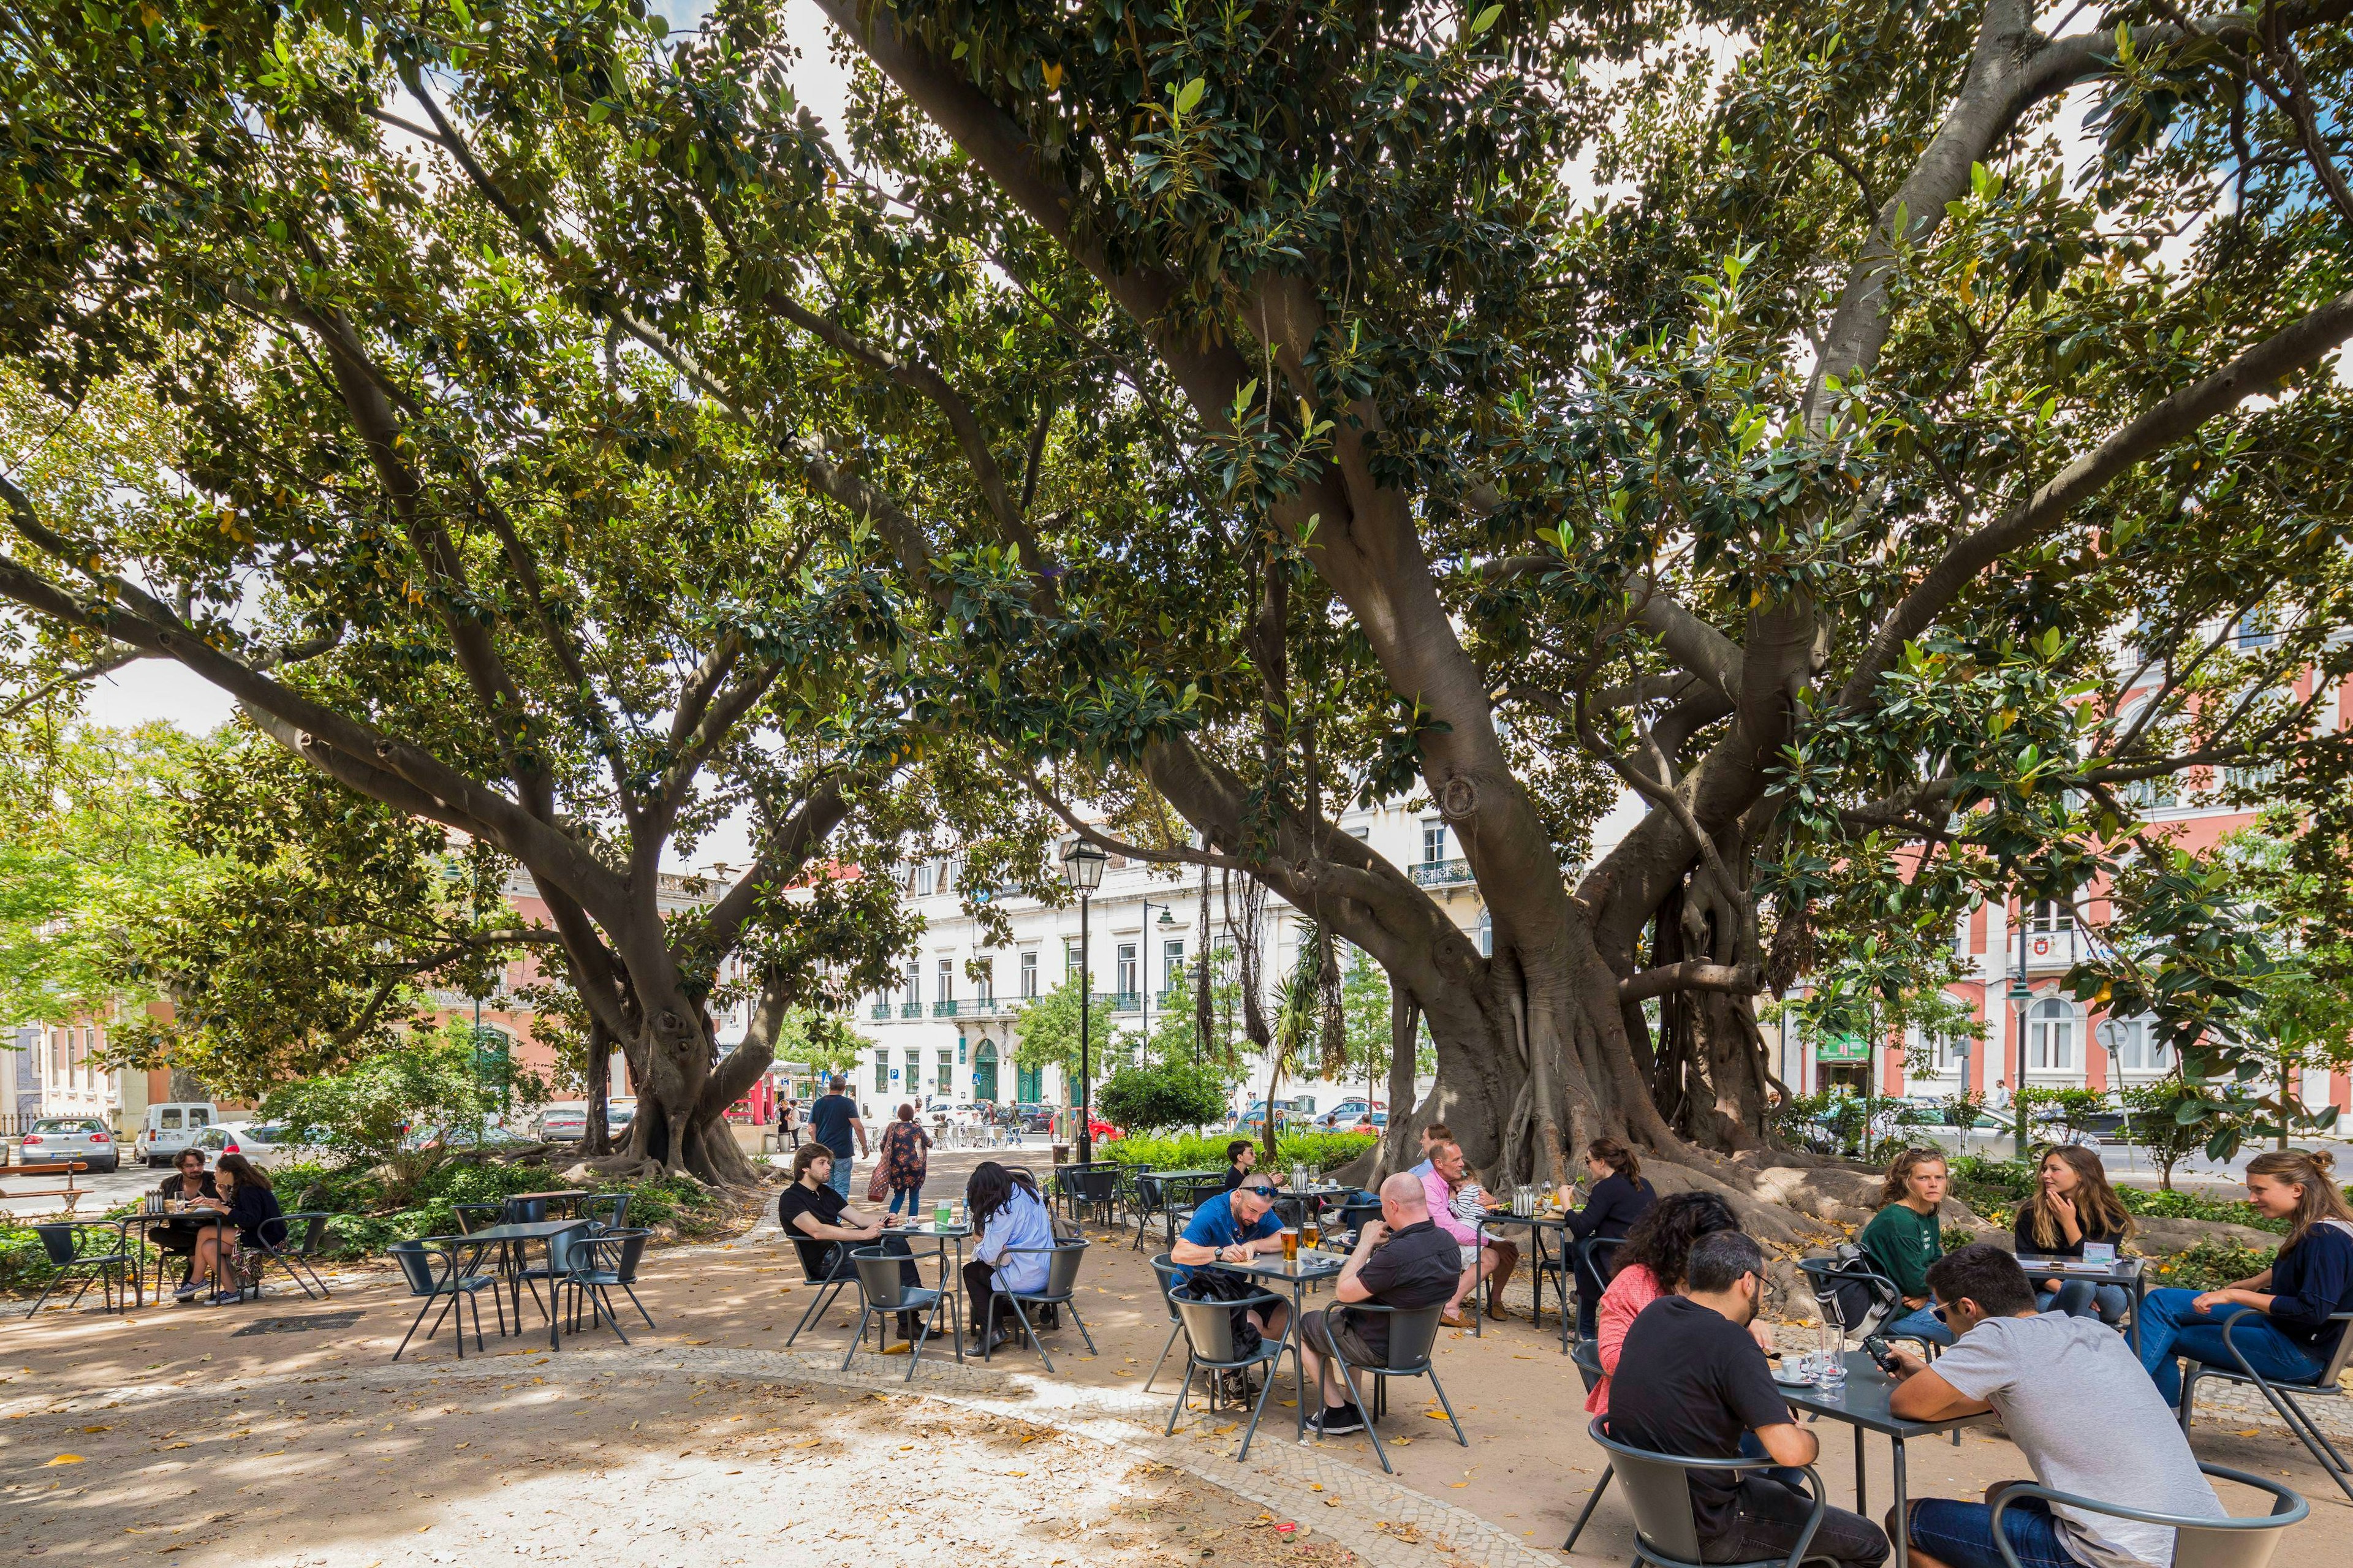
1861 1403
2125 1271
1308 1269
951 1288
513 1242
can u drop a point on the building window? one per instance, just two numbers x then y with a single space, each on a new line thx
915 1080
1486 934
2139 1049
925 875
1362 835
1071 956
1029 974
985 983
2051 1036
1941 1056
2253 630
947 980
2050 915
915 984
946 1083
882 1073
1172 965
1128 982
1433 840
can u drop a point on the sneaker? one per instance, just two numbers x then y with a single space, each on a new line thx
227 1298
1333 1419
187 1290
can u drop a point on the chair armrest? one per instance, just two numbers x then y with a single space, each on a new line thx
2287 1508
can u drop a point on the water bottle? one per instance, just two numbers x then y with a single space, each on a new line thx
1829 1363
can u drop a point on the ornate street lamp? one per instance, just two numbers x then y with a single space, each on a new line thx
1083 868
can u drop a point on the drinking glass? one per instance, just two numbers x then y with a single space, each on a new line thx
1290 1245
1830 1364
1310 1234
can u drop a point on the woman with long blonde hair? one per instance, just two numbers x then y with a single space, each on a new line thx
2282 1314
2074 1206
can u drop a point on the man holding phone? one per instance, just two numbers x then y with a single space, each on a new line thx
2064 1389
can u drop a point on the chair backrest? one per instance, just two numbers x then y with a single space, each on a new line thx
2335 1370
2202 1543
524 1210
879 1277
61 1242
315 1231
559 1248
1601 1254
1098 1185
470 1216
816 1259
1147 1190
1413 1331
1355 1212
415 1261
1170 1278
1062 1266
1587 1354
1291 1212
607 1209
1851 1289
618 1252
1658 1489
1209 1327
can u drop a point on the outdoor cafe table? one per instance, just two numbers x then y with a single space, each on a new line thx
951 1285
513 1242
1169 1182
1547 1262
2124 1271
1308 1269
1861 1403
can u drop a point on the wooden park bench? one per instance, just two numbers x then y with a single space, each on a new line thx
66 1168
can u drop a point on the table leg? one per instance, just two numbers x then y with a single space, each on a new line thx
1479 1280
552 1314
1902 1526
1296 1329
2139 1295
1861 1501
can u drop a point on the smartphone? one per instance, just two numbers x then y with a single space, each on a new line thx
1875 1346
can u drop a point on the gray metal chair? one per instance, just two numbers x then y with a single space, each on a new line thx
100 1253
883 1292
456 1282
1658 1489
827 1266
1413 1331
1062 1260
2198 1541
605 1211
558 1268
1587 1356
1170 1277
1150 1199
2285 1396
472 1217
292 1255
599 1262
1210 1348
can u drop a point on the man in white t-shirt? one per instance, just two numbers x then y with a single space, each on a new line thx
2062 1389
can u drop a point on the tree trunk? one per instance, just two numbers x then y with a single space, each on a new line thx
597 1137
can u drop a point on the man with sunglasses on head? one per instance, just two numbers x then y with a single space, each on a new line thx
1233 1227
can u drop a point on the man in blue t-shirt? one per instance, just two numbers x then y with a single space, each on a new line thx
833 1121
1230 1228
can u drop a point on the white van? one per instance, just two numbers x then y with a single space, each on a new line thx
171 1128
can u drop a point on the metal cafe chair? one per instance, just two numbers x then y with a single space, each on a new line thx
292 1255
1413 1331
2285 1395
883 1291
97 1250
1657 1488
2199 1541
1062 1260
454 1284
1588 1357
1210 1348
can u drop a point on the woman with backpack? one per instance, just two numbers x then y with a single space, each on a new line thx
2283 1328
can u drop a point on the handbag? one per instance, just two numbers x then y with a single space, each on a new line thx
879 1189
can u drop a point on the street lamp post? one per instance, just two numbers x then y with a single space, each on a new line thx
1083 868
2021 994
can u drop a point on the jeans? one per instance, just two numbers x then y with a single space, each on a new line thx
2084 1298
915 1197
2170 1327
1923 1324
1960 1534
1767 1518
840 1180
1752 1446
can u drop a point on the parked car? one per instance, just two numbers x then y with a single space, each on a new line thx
168 1129
1348 1112
1033 1118
1253 1119
65 1138
564 1122
256 1141
619 1113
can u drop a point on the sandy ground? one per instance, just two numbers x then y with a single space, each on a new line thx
117 1436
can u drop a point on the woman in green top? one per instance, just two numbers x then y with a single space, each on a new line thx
1903 1237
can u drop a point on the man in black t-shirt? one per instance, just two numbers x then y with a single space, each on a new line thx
1401 1260
1691 1381
824 1229
832 1121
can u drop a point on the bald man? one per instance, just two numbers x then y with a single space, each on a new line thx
1401 1260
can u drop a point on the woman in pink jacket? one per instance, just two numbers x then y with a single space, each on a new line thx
1651 1265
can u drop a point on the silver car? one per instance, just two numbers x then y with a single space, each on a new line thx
256 1141
58 1139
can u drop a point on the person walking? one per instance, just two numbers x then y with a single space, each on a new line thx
788 1126
834 1122
905 1155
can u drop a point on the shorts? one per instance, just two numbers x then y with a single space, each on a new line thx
1469 1257
1330 1330
1960 1534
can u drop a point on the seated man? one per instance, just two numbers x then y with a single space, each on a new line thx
2064 1390
813 1214
1230 1229
1691 1381
1401 1260
1451 1194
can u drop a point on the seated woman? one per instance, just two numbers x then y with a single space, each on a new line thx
1005 1212
2283 1329
1907 1235
1651 1265
2073 1206
190 1182
246 1199
1621 1198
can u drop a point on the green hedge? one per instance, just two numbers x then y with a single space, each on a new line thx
1323 1150
1995 1188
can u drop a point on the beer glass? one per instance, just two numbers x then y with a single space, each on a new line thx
1310 1233
1290 1245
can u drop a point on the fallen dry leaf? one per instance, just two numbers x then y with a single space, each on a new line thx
65 1459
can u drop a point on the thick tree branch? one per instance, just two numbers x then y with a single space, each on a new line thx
1691 974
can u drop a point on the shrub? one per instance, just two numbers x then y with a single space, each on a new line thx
2209 1266
1161 1096
1320 1150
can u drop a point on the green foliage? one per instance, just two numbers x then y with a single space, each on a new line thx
1161 1095
823 1041
2154 1120
1049 1032
2209 1266
1322 1151
2075 1109
437 1079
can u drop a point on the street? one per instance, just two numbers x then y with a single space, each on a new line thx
101 1191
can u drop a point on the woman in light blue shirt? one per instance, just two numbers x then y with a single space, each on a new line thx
1010 1217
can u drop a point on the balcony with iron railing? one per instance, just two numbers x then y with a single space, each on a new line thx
1442 874
910 1009
884 1010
